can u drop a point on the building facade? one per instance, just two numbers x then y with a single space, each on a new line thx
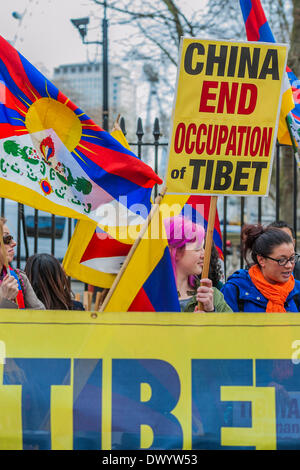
83 84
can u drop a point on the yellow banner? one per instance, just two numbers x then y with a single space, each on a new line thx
225 117
81 380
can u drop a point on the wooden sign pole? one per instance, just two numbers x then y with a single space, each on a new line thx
209 240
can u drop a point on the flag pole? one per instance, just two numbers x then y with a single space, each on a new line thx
208 240
154 209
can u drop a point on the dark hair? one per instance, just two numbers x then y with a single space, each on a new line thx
282 224
258 240
49 281
215 270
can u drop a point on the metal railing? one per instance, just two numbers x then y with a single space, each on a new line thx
157 145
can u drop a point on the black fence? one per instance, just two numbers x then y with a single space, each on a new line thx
39 232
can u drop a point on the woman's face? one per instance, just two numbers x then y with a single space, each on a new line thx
190 260
9 247
271 270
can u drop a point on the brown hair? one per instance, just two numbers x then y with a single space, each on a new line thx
49 281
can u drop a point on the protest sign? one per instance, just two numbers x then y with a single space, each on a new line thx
97 381
225 117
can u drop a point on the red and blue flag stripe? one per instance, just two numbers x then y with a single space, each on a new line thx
159 292
258 29
257 26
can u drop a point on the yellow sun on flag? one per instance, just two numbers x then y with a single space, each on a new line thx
47 113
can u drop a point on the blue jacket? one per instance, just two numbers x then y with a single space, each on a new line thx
242 296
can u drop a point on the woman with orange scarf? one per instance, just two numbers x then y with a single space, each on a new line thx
268 285
15 289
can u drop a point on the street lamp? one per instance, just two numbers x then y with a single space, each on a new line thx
81 24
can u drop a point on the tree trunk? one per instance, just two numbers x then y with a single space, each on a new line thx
286 184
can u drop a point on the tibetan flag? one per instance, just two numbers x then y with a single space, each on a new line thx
95 257
53 157
148 282
295 84
258 29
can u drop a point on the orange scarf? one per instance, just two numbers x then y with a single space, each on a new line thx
275 293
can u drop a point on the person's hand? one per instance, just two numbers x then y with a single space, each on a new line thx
205 295
9 288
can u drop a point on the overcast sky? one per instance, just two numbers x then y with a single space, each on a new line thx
47 38
45 33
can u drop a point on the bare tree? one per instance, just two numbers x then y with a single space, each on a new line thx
158 25
156 29
294 52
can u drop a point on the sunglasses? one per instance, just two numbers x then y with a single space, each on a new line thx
7 239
